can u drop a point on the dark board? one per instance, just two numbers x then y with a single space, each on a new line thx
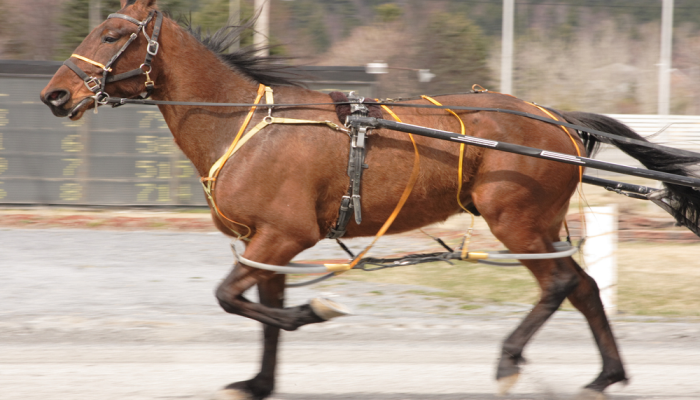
118 157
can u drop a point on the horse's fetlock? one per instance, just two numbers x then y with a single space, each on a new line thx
513 353
256 389
607 378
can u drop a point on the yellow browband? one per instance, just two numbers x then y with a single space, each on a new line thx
89 61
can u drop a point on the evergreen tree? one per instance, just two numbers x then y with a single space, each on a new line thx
74 20
309 19
457 53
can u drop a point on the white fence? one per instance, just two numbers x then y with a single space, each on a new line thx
679 131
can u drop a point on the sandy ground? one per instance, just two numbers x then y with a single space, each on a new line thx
131 315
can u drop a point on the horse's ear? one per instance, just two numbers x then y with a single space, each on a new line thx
144 3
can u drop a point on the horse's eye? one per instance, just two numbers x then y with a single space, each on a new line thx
109 39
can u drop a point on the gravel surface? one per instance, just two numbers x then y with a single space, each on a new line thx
131 315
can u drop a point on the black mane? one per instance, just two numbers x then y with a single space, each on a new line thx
267 70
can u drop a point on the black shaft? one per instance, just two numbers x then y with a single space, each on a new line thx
526 151
614 185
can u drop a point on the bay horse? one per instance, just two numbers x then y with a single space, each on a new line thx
286 183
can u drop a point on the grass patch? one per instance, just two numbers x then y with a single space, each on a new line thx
464 281
658 279
653 279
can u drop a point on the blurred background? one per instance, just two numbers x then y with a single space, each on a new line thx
595 55
636 60
103 221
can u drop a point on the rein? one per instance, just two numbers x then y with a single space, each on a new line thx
679 152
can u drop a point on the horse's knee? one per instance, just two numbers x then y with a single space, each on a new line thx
231 303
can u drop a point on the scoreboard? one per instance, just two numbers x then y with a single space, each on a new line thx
118 157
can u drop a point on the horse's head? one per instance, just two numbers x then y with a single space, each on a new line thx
113 60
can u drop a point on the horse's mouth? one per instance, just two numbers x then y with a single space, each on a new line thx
77 112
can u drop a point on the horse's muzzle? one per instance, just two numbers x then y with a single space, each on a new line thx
56 100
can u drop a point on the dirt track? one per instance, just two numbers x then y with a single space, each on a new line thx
131 315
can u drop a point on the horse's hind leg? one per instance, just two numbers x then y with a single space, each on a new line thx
528 221
262 385
556 280
586 298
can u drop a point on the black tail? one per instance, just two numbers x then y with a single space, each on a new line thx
682 202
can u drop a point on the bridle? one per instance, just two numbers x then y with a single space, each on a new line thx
97 85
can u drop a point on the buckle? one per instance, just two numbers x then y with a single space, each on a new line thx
153 47
93 81
101 98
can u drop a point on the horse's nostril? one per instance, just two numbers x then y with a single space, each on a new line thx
57 97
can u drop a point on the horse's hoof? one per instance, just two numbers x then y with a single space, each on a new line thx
590 394
327 309
506 383
232 394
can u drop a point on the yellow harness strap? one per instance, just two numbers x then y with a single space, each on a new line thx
578 151
340 268
209 182
580 173
460 176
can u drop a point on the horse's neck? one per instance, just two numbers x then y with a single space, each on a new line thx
193 73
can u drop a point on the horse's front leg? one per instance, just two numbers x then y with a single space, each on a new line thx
262 385
270 311
231 299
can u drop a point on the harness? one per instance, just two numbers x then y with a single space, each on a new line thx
97 85
357 132
209 182
356 165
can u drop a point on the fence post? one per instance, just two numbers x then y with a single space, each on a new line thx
600 252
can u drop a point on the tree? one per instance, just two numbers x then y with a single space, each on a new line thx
455 50
389 12
309 19
74 19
